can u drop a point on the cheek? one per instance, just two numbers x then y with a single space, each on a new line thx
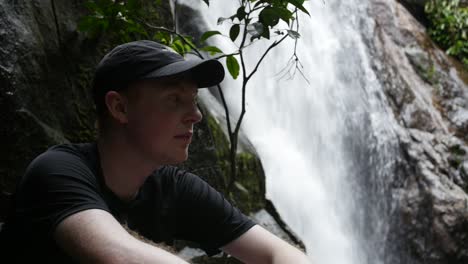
151 118
153 127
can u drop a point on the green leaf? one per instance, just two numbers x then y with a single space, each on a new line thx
233 66
241 13
87 24
269 17
212 50
133 5
178 47
234 32
91 5
188 39
298 4
209 34
162 37
266 32
294 34
187 48
284 14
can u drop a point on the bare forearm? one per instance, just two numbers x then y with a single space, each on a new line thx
283 258
94 236
258 246
290 256
140 252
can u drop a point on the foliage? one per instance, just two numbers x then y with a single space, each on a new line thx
449 27
253 20
249 183
118 17
121 20
258 19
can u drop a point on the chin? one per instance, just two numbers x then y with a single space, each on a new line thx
183 159
177 159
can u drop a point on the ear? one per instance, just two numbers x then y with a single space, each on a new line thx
117 105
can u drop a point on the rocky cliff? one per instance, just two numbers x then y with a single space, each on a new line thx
43 101
428 94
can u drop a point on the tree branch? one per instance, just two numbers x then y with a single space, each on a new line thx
274 44
244 85
244 34
294 64
177 34
226 111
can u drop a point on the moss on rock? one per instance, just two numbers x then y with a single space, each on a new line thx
248 193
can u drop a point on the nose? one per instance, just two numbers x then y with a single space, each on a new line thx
194 116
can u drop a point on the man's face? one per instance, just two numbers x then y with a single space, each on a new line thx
161 115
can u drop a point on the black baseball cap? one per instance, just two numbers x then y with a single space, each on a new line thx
145 59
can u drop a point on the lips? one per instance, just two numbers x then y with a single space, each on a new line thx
185 136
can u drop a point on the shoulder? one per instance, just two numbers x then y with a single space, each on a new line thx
58 161
61 155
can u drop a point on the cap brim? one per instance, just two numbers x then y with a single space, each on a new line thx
205 73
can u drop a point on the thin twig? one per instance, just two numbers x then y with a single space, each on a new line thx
294 64
177 34
226 111
225 55
274 44
244 85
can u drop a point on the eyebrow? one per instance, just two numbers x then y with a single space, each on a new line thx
179 89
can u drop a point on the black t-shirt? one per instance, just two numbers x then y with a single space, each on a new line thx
171 204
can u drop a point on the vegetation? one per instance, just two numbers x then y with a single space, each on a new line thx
449 27
254 20
248 184
118 20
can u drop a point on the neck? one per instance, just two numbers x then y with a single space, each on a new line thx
123 169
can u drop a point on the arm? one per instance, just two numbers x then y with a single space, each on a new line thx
260 246
94 236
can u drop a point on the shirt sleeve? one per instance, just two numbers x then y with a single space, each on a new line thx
56 185
205 216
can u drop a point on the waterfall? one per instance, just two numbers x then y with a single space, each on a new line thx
328 143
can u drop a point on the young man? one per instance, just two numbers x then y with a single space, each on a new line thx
73 199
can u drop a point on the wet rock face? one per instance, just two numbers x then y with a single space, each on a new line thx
428 94
434 205
44 78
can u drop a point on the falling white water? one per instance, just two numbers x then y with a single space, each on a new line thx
318 140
